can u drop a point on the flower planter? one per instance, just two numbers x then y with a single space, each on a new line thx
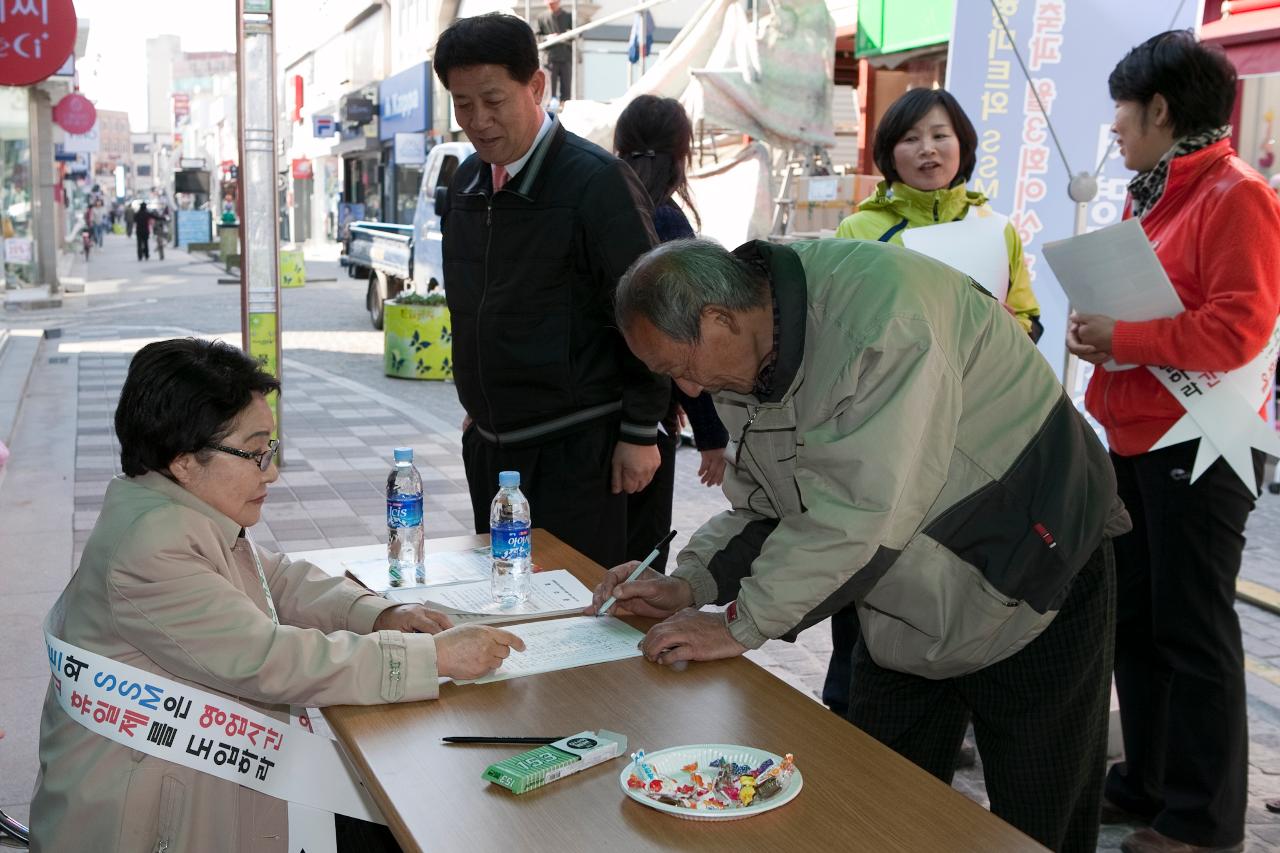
417 342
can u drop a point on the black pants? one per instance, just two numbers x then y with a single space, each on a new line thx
1179 658
649 510
561 74
845 633
358 836
144 244
567 481
1040 716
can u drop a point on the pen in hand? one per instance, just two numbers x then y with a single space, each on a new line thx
644 564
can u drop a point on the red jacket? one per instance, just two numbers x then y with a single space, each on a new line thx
1216 231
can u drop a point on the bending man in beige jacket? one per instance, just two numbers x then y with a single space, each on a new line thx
169 584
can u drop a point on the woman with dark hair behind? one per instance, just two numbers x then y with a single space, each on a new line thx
655 138
1179 661
170 584
926 148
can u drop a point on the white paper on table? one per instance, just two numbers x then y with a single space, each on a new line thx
566 643
553 593
444 567
974 245
1114 271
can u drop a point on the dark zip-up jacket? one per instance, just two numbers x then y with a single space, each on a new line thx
531 272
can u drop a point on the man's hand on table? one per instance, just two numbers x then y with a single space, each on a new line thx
412 619
472 651
690 635
652 594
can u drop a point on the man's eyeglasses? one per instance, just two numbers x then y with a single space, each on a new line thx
262 457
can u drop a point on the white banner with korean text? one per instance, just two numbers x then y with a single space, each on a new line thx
153 715
1222 411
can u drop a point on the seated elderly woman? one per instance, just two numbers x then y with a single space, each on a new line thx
169 584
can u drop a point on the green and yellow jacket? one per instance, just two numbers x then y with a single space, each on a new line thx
885 215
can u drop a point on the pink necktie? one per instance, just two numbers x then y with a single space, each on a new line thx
499 177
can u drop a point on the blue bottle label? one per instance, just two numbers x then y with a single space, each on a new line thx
404 512
510 542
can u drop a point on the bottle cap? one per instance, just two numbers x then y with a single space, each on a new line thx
509 479
403 454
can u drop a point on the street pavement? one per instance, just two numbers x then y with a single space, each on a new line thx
341 418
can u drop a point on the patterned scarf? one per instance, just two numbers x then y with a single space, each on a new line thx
1147 187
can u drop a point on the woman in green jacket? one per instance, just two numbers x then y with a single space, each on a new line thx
926 148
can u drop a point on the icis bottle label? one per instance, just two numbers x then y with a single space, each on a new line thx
404 512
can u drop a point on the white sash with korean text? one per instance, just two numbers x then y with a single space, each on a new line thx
203 731
1222 411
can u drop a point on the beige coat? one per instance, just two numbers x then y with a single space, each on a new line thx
167 584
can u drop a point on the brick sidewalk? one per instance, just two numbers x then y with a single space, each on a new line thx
338 441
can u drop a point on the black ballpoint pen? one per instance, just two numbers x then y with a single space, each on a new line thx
472 739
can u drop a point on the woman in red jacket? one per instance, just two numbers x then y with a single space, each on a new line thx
1179 664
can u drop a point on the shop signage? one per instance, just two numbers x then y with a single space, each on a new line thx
357 110
302 170
36 37
410 149
17 250
322 126
83 143
75 113
404 103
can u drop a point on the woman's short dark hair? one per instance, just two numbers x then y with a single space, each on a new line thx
1197 80
655 138
180 396
903 114
492 39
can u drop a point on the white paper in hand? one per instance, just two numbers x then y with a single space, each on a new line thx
974 245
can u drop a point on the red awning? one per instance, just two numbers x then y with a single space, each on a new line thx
1251 39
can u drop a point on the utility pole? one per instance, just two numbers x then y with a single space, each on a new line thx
259 217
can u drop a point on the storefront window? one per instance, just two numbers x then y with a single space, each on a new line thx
408 178
15 187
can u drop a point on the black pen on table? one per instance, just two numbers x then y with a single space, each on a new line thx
484 739
644 564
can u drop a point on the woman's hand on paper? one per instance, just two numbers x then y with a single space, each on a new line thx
473 651
1089 336
652 594
412 619
690 635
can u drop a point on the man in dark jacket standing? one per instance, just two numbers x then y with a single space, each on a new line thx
559 56
538 226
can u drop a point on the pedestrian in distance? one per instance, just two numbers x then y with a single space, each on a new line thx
1215 227
538 225
559 56
142 231
655 138
899 446
926 148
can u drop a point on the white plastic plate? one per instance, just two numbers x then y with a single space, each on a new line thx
669 761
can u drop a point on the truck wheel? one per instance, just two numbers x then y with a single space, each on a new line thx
373 301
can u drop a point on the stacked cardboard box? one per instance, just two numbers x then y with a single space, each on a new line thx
820 203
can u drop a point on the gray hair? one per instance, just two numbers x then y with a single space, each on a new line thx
672 284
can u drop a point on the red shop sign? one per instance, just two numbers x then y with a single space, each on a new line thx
302 169
36 37
74 113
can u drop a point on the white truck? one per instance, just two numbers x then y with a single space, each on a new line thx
399 258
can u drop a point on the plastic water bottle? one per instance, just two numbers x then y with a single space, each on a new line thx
509 537
404 520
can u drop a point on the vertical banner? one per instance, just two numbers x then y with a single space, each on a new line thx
1069 47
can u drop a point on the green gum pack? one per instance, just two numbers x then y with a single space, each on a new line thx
537 767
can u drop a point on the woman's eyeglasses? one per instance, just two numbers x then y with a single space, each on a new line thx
262 457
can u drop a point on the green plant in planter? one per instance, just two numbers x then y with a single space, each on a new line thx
420 299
